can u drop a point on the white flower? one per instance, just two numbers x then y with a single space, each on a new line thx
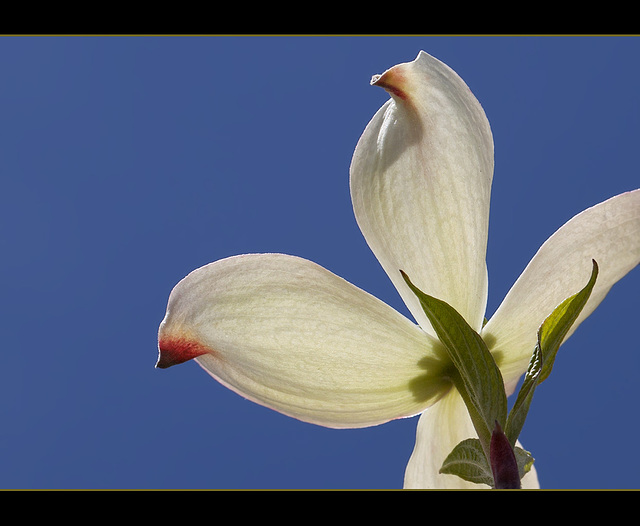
290 335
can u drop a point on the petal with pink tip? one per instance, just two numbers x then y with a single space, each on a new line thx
290 335
420 185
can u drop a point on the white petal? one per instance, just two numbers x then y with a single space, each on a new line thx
288 334
420 184
440 428
609 233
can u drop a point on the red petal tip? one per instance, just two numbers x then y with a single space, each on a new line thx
392 81
177 350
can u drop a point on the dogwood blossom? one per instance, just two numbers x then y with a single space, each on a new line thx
291 335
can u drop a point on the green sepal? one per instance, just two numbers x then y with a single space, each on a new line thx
556 326
468 461
518 413
478 378
550 336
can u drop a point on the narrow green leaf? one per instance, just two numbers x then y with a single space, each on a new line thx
554 329
518 413
550 335
478 420
481 386
468 461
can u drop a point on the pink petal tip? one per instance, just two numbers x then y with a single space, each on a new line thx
177 350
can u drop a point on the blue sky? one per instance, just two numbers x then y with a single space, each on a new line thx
127 162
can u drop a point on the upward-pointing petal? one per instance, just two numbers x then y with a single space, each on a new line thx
608 233
290 335
420 185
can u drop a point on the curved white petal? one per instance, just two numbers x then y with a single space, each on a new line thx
420 185
609 233
290 335
440 428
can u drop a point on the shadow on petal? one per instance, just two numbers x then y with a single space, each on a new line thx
398 130
498 354
435 383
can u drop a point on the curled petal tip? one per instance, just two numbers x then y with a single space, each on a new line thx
392 81
397 80
176 350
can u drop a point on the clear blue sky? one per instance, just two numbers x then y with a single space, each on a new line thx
128 162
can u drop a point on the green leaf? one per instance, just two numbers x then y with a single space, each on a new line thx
518 413
479 382
524 460
550 335
468 461
554 329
